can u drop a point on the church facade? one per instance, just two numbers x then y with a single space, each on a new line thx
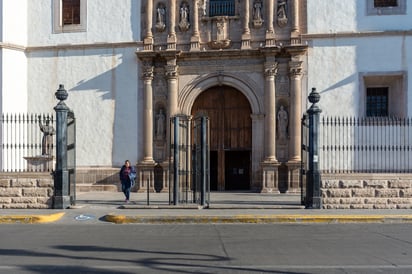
241 64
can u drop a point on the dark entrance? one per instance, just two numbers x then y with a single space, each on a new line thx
237 167
230 136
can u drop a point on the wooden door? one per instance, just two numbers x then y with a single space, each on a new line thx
230 127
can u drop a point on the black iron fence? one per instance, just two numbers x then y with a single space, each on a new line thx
365 145
27 142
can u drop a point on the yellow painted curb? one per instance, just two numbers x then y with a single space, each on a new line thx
30 219
122 219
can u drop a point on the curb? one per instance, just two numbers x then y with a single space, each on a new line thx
30 219
258 219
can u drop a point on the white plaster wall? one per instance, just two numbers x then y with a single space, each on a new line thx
14 84
108 21
14 21
100 73
335 16
334 66
13 69
102 85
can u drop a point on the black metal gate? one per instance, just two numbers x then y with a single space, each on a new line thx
189 160
71 155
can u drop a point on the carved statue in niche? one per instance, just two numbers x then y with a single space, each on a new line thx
184 17
282 123
257 14
203 5
160 125
161 17
282 13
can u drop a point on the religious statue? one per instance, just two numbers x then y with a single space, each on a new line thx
47 140
184 17
281 13
257 14
282 123
160 124
161 18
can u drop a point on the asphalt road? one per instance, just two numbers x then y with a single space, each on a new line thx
211 248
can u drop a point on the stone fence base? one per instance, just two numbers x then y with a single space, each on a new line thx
366 191
26 190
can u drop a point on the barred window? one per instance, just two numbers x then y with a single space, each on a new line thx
386 7
377 101
221 8
385 3
71 12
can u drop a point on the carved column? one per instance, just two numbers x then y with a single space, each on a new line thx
295 16
145 168
148 41
246 30
270 32
172 75
147 112
295 74
171 39
195 39
295 36
270 118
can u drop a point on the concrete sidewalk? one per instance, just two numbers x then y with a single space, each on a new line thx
224 207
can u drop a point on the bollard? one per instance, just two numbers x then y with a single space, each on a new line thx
147 191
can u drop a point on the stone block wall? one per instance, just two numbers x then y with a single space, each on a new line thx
367 191
26 190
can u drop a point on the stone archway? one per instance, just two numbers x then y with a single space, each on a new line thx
230 123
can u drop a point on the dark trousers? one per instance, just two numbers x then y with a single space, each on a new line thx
126 190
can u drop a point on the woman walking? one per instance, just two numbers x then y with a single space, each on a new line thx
127 176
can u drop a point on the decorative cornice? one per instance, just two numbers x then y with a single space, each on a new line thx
309 36
12 46
69 46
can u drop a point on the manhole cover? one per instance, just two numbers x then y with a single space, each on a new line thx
84 217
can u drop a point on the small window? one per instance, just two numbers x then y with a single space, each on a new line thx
386 7
71 12
383 94
221 8
377 101
385 3
69 15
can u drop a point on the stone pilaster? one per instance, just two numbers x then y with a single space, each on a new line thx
270 31
246 30
171 38
295 74
195 39
148 40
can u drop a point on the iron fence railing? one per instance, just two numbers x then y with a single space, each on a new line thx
370 145
23 148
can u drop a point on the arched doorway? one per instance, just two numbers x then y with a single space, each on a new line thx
230 136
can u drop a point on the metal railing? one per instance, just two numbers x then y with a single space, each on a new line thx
222 8
365 145
22 145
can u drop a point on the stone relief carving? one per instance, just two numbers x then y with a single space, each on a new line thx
161 17
257 14
184 23
282 13
221 41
